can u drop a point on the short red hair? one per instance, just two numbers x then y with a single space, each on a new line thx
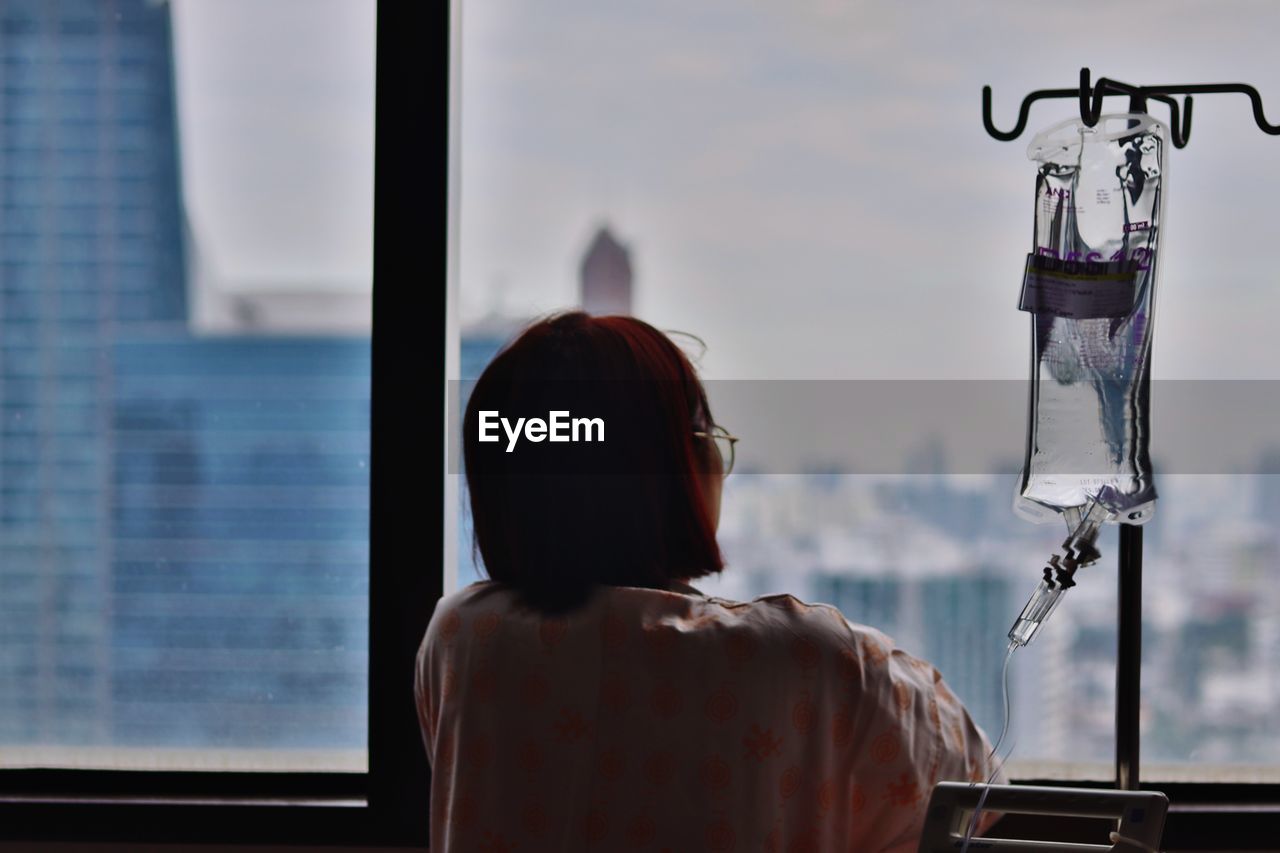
556 520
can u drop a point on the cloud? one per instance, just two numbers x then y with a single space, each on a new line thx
275 106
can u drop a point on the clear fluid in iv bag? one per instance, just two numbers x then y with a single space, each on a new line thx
1091 279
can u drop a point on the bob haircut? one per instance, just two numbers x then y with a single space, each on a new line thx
556 520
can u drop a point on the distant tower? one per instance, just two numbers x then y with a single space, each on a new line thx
606 276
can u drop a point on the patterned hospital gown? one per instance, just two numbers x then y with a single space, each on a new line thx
662 721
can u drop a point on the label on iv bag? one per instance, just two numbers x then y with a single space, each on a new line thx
1078 289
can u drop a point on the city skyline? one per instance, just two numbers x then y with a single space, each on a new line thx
940 562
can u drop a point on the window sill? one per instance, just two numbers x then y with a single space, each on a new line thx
189 819
130 800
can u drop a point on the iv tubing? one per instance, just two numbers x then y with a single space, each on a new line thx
995 766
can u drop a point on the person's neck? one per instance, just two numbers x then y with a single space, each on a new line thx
684 588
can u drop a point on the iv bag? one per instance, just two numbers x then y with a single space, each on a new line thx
1088 285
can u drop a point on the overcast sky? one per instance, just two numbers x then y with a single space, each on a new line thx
806 184
275 104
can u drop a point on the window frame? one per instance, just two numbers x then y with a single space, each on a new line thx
388 804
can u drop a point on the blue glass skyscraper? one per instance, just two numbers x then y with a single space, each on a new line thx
90 248
183 519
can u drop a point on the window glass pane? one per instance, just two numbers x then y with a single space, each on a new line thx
1211 627
808 187
185 233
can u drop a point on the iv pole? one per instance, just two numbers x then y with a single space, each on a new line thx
1129 628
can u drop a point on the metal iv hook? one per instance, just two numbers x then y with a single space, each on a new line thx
1091 97
1138 96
